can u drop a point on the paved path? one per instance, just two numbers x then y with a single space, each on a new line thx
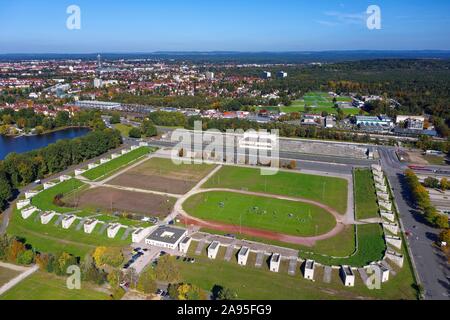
26 272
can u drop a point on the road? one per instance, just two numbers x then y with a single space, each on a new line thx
432 268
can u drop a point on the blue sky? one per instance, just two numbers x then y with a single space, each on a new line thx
39 26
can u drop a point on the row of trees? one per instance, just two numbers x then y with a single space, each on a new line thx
422 200
28 119
21 169
434 183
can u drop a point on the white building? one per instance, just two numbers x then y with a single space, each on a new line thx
143 144
22 203
124 151
394 241
310 266
282 74
104 160
391 227
64 178
184 244
68 221
115 155
275 262
98 83
166 237
48 185
26 213
90 225
266 75
113 230
209 75
134 148
139 234
79 172
213 249
31 194
92 166
47 217
386 205
395 257
383 196
243 256
347 276
388 215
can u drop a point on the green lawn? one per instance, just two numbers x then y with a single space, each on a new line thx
7 274
327 190
252 283
124 129
287 217
46 286
115 164
365 195
435 160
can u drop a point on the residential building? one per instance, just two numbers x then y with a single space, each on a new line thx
166 237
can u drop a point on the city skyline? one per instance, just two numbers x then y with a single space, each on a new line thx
139 26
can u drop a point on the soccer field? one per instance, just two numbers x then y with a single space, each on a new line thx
282 216
327 190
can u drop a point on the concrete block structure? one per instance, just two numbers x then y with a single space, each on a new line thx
90 225
395 257
383 196
143 144
47 217
139 234
22 203
184 244
92 166
115 155
394 241
243 256
113 230
79 172
388 215
68 221
104 160
347 276
134 147
376 167
31 194
386 205
310 266
48 185
124 151
275 262
384 273
382 188
64 178
213 249
26 213
391 227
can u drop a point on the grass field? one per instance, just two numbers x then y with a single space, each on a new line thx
46 286
124 129
366 206
105 169
286 217
251 283
163 175
327 190
7 274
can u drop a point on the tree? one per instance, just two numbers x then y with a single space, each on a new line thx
441 221
147 282
5 188
444 184
115 118
114 278
5 243
166 269
135 133
149 129
227 294
26 257
444 236
62 262
108 256
431 182
15 250
185 291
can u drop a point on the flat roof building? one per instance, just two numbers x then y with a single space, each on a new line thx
347 276
275 262
184 244
243 256
166 237
213 249
310 265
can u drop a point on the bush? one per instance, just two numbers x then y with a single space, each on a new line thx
135 133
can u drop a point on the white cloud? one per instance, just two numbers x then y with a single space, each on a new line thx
339 18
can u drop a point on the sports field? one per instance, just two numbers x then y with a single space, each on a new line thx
319 102
163 175
103 170
327 190
286 217
103 199
46 286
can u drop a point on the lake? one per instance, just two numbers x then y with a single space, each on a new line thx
25 143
